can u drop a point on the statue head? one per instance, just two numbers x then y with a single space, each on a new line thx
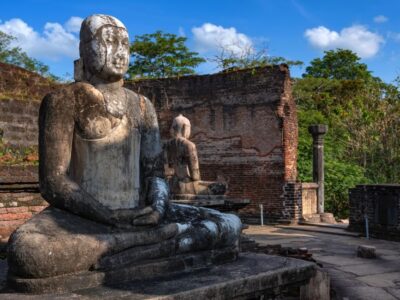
104 49
180 127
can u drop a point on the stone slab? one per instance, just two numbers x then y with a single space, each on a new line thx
342 261
319 229
394 292
368 268
382 280
251 276
364 293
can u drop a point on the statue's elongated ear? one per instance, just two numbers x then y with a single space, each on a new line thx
79 72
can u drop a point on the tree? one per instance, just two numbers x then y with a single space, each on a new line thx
362 144
248 58
15 56
338 64
160 54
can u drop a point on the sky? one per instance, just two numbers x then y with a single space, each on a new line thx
295 29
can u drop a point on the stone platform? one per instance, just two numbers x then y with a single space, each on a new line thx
251 276
219 202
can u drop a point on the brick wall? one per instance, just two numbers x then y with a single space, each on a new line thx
381 204
19 122
19 197
244 124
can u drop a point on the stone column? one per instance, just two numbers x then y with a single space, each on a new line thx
318 132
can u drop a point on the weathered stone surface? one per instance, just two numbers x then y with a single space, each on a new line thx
365 251
251 276
317 288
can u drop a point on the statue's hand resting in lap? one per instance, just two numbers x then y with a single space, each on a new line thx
136 216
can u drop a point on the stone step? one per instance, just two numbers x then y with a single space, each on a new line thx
319 229
252 276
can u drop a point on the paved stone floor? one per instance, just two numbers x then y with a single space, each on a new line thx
351 277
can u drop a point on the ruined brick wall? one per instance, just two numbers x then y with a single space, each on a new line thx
245 126
19 122
381 204
20 94
19 197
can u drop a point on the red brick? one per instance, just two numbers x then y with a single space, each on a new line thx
36 209
15 216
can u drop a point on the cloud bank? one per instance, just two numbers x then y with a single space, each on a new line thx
210 37
356 38
55 42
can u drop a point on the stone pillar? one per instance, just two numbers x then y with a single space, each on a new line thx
318 132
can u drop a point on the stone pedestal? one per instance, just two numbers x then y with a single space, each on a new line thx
252 276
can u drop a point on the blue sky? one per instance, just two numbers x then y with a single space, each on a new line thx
295 29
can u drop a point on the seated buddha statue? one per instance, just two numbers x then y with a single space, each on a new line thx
101 171
181 153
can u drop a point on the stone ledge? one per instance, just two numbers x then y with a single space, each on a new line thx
252 275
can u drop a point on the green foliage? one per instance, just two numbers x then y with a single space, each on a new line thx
15 56
248 59
160 54
340 175
362 144
338 64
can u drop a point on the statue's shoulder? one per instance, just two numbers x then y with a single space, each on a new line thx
138 97
182 142
70 90
143 103
60 99
70 95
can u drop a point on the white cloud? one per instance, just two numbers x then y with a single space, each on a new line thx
356 38
380 19
210 37
56 41
73 24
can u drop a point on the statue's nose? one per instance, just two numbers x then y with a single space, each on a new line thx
121 51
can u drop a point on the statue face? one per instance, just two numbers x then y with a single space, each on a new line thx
107 54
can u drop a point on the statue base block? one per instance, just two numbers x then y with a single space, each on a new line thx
250 277
148 269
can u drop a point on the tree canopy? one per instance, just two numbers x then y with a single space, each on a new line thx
160 54
362 113
249 58
338 64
